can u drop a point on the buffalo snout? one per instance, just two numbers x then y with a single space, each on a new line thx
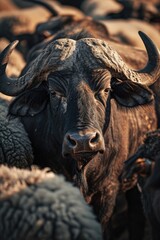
83 143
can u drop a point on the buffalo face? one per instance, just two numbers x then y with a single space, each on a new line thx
85 116
82 101
81 77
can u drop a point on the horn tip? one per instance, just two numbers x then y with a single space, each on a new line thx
149 44
4 55
143 35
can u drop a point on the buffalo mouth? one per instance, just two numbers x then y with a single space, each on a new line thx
82 159
86 155
79 176
82 168
85 174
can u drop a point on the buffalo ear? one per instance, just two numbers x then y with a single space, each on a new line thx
30 102
130 94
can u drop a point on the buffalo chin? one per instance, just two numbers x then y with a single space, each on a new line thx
82 159
80 180
83 167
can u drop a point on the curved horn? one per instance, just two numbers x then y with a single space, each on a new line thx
50 8
54 57
112 60
14 86
152 70
6 83
4 55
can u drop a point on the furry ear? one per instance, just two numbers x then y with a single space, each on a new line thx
130 94
30 102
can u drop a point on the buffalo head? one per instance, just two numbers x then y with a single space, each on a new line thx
80 78
74 99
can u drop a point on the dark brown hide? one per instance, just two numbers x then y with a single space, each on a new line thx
99 179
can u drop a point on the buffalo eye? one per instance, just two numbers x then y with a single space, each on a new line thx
56 93
101 95
53 93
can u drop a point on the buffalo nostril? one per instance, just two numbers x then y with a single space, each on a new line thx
71 141
95 139
101 151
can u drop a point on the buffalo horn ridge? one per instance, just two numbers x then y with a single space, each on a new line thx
62 53
114 63
51 59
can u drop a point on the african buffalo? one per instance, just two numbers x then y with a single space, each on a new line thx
85 111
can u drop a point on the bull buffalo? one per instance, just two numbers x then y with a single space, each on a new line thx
85 111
